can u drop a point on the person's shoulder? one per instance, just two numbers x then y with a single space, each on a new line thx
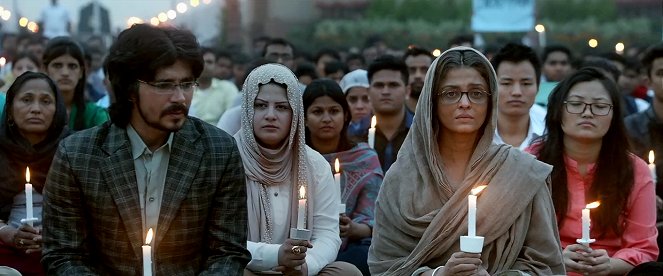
87 138
640 167
315 158
638 122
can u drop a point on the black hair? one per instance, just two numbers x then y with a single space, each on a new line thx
603 65
328 87
138 53
651 54
29 56
460 39
277 41
388 62
355 56
613 175
414 51
306 69
516 53
335 66
555 48
327 52
61 46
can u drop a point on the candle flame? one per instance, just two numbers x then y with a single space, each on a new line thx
477 190
148 239
27 174
302 193
651 157
373 122
593 205
337 166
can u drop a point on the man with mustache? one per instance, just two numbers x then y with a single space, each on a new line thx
519 121
150 167
388 79
417 60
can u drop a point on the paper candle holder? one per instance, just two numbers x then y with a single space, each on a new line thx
471 244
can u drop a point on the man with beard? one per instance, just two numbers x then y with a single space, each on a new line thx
388 79
417 60
150 167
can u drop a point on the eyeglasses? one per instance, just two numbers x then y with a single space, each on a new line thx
167 87
453 96
598 109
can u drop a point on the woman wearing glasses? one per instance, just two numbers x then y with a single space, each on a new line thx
422 207
64 63
588 147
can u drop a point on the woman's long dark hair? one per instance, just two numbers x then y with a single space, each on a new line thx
613 175
328 87
61 46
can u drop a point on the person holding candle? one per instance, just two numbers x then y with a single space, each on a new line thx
64 62
587 144
31 127
150 166
422 209
285 178
327 118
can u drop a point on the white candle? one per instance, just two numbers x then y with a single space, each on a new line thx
586 220
147 254
28 199
542 39
652 165
472 211
301 210
371 133
337 173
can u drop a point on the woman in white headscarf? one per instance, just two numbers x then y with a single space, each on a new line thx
278 164
422 207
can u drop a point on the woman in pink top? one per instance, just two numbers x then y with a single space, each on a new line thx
588 147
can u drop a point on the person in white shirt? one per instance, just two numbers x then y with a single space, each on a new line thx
519 121
213 96
55 20
280 168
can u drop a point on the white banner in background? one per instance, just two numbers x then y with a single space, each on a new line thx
503 15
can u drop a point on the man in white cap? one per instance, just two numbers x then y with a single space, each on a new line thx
355 86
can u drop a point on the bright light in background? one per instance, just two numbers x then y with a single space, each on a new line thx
181 8
437 52
23 21
207 1
33 27
133 20
593 43
540 28
154 21
162 17
171 14
6 15
3 61
195 3
619 48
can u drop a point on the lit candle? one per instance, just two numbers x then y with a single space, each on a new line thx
147 254
542 35
472 211
301 211
337 173
371 133
29 218
586 221
652 166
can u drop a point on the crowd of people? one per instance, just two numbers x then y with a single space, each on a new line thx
229 160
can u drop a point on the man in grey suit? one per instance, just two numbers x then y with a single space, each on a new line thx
150 167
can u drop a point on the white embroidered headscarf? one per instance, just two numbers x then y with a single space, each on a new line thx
286 165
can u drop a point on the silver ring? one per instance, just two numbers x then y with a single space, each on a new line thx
20 241
296 250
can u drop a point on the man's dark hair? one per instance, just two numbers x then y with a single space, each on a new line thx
224 54
208 50
460 39
138 53
277 41
555 48
516 53
353 56
388 62
327 52
417 51
652 53
335 66
306 69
